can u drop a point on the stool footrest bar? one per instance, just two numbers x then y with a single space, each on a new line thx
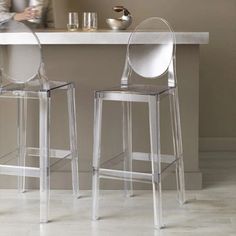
125 175
142 156
53 153
19 171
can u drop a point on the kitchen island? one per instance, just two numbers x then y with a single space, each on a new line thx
95 60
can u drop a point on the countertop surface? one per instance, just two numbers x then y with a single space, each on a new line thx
103 37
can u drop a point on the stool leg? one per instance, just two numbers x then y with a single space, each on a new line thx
96 155
127 145
174 135
177 143
73 140
44 145
180 163
21 140
154 123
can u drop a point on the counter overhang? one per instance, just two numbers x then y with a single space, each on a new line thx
102 37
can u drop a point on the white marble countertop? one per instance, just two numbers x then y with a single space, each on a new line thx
99 37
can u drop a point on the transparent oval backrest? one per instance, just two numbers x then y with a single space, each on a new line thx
149 55
20 52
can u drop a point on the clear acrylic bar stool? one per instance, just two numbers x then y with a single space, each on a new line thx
23 77
149 59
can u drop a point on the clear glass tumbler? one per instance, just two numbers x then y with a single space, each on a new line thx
73 21
36 7
90 21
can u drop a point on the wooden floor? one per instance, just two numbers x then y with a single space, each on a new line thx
209 212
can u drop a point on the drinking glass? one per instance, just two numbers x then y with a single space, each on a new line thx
37 9
73 23
90 21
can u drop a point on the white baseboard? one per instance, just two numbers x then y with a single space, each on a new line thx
222 144
218 155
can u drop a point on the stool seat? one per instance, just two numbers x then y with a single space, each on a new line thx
141 89
33 86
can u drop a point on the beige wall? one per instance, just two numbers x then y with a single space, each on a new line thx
217 68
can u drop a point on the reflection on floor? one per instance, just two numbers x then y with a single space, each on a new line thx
209 212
